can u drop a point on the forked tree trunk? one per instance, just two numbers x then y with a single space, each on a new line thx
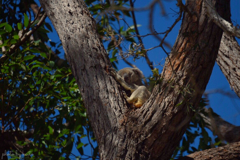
154 130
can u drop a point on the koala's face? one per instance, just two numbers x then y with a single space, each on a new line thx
135 76
128 77
132 77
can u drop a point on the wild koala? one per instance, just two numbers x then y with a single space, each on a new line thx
130 79
139 96
131 75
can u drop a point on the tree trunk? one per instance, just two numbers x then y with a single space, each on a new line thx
154 130
229 61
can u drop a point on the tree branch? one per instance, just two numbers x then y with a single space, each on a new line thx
221 128
228 60
230 151
150 64
222 23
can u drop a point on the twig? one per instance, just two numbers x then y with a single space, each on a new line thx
219 21
23 39
139 38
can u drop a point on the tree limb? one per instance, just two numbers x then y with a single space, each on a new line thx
228 60
221 128
230 152
228 28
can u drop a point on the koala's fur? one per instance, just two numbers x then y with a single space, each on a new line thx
131 79
131 75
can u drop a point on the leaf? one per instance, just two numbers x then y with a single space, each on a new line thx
34 50
48 27
26 20
2 32
132 27
16 37
50 130
80 145
23 67
35 22
43 55
126 13
13 41
51 63
8 28
28 57
19 25
3 24
52 44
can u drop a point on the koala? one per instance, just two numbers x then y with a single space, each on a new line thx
130 79
131 75
139 96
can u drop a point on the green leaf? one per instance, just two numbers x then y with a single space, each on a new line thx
13 41
127 13
3 24
48 27
28 57
51 63
8 28
37 42
26 20
50 130
34 50
23 67
80 145
34 23
43 55
2 32
19 25
16 37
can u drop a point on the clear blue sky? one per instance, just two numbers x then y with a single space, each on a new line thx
228 108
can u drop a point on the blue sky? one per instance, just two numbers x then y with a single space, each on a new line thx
228 108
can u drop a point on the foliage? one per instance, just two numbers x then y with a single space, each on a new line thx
39 94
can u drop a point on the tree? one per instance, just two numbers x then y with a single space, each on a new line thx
143 133
42 112
40 101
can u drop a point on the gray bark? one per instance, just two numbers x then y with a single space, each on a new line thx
229 61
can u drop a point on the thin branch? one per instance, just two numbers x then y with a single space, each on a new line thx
223 129
117 44
222 23
150 64
230 151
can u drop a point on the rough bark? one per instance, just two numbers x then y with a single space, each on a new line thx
154 130
229 61
229 152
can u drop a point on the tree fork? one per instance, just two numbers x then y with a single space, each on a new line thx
154 130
